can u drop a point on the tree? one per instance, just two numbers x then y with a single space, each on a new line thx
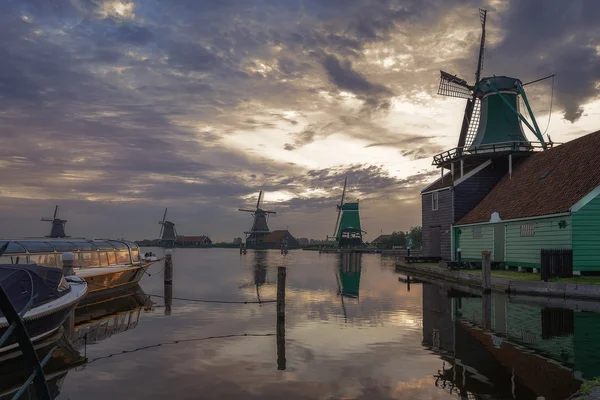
416 234
395 239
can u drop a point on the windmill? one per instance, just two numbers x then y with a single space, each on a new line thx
255 235
347 230
58 225
168 233
492 119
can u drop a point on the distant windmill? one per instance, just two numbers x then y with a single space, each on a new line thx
168 233
347 230
58 225
259 227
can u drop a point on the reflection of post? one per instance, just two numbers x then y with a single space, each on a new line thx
168 267
486 311
168 294
486 273
281 274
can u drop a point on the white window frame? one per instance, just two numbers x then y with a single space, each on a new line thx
435 201
528 230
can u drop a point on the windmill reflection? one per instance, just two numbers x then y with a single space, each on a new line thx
348 277
259 272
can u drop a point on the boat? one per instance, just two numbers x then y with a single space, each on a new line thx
52 298
150 257
104 264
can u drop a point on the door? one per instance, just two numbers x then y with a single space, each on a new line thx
435 243
499 238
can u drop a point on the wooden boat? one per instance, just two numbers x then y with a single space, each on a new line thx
53 299
104 264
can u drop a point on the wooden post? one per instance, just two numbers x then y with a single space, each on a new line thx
407 283
168 297
281 275
486 271
168 267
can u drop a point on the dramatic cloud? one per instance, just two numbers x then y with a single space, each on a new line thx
117 109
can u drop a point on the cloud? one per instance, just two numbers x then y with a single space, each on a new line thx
346 78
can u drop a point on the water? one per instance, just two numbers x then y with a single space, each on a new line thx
352 331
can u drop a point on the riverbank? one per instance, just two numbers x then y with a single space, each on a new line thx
466 280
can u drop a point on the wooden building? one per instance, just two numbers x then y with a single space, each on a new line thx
192 241
551 200
277 238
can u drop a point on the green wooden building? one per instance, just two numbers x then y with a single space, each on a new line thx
549 200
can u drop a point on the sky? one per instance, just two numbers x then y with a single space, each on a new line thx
119 109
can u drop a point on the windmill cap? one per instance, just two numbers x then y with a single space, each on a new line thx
501 83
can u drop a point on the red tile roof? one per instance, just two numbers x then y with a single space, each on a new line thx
572 170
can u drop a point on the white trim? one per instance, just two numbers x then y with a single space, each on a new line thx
452 251
586 199
471 173
435 201
430 185
518 219
437 190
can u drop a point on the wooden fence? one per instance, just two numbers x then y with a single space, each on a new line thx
556 262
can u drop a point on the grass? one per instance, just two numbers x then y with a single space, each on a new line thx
529 276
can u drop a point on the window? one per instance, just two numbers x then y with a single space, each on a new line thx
103 259
123 257
45 260
477 232
135 255
527 229
22 259
435 200
112 259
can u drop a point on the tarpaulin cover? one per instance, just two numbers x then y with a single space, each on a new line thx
20 282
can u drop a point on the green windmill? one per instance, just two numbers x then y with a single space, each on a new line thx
347 227
492 120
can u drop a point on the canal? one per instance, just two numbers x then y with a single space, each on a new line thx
352 331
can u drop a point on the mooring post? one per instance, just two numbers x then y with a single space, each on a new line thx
67 261
168 267
168 297
281 275
486 271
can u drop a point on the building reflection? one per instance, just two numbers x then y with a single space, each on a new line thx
116 312
496 348
348 277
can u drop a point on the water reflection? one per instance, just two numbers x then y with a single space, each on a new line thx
491 345
115 312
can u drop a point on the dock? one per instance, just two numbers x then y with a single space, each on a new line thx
468 282
397 252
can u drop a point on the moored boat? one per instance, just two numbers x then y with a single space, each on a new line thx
104 264
51 296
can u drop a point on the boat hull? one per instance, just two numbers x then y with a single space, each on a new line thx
105 280
46 319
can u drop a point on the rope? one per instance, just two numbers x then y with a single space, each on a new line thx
176 342
188 299
551 101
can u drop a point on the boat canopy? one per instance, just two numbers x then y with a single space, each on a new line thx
25 281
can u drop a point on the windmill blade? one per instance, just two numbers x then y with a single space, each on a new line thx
162 226
55 211
270 212
259 199
453 86
337 222
483 18
344 191
47 219
246 210
164 216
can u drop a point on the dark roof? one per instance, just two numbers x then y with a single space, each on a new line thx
380 238
545 183
276 236
446 180
184 238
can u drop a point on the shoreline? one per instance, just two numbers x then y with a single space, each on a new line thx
472 282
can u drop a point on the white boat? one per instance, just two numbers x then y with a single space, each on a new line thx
104 264
53 297
150 257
